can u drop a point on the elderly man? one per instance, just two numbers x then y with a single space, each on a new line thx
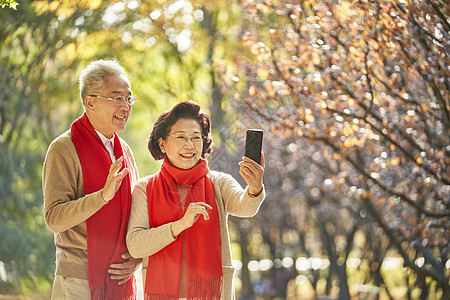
88 176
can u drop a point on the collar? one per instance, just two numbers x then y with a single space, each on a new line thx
104 138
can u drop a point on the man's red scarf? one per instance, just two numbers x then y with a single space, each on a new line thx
106 229
202 242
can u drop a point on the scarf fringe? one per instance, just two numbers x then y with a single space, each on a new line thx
100 293
198 289
159 297
205 289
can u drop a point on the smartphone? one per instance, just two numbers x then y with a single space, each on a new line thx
253 144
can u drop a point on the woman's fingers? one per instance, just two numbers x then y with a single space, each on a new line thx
203 204
252 165
250 169
252 173
263 161
200 208
195 210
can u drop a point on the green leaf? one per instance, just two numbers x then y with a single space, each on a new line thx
11 3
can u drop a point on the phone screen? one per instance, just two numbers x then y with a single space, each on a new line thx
253 144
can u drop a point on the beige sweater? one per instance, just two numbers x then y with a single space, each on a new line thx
143 241
66 207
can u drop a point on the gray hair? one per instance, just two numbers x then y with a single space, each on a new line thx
91 77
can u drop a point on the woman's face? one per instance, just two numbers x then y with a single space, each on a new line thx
184 144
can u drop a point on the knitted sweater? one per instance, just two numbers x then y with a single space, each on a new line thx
143 241
66 207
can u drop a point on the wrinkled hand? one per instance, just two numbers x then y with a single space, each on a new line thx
125 270
252 172
114 179
193 212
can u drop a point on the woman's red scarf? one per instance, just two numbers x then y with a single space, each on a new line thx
106 229
202 242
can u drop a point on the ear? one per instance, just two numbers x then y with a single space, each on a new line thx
162 145
89 102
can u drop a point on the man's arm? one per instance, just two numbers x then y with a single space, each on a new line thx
123 272
65 204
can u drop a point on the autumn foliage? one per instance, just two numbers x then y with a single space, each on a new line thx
353 97
358 91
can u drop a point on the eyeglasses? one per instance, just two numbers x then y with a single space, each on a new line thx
183 138
130 100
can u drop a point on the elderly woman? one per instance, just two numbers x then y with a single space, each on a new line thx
178 220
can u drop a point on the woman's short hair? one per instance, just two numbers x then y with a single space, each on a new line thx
91 77
164 123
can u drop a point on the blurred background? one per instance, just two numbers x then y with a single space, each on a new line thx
353 97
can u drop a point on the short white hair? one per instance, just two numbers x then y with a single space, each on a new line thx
91 77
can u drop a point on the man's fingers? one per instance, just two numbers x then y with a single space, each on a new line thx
115 271
124 271
124 280
116 165
127 265
123 173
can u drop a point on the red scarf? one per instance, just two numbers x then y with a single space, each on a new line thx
106 229
202 242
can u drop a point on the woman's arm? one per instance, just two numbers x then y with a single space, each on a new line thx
143 241
236 200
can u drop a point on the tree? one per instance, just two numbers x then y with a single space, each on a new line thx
365 87
29 44
44 46
10 3
353 97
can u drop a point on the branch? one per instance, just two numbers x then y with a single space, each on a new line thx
442 280
436 90
357 166
388 190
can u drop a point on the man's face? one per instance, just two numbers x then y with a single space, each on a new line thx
104 115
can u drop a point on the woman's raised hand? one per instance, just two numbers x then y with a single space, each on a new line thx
252 172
